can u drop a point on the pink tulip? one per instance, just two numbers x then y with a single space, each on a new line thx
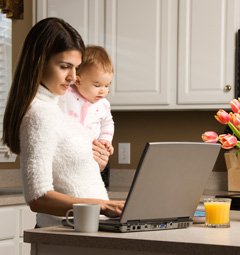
222 117
210 137
234 119
228 141
235 105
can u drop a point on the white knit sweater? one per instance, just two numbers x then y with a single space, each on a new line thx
56 154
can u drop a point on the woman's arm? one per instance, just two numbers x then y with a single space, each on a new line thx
58 204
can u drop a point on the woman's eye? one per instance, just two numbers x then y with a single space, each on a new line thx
64 67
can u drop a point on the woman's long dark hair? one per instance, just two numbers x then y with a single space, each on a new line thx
48 37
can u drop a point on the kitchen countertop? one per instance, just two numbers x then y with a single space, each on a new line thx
114 192
196 239
193 240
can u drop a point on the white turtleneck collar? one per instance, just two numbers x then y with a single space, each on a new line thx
46 95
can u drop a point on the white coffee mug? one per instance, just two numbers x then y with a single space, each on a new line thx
86 217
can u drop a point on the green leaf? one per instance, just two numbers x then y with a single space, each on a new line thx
237 153
234 129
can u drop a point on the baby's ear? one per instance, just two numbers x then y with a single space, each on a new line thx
78 81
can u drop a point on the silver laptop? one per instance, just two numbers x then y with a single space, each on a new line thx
167 186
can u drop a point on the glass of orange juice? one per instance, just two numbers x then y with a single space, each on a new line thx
217 212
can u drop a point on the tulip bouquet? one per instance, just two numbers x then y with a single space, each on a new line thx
231 119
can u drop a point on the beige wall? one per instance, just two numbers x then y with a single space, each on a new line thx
141 127
135 127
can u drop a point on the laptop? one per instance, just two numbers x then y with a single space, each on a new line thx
167 187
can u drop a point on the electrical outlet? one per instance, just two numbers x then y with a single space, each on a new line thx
124 153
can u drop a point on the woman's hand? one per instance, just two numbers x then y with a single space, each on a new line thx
112 208
100 154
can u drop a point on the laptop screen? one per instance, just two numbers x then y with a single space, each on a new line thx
169 180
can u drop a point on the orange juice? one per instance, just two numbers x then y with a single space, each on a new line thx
217 212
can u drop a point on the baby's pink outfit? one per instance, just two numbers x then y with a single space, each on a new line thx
96 117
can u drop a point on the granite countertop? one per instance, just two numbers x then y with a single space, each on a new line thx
114 192
193 240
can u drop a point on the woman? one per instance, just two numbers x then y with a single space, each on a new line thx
56 158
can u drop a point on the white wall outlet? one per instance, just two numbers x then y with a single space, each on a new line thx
124 153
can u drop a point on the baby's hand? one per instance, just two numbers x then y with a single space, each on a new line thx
108 146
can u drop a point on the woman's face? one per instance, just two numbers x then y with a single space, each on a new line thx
60 71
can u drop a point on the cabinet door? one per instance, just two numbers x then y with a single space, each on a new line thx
8 223
9 247
27 219
24 248
139 38
87 17
207 41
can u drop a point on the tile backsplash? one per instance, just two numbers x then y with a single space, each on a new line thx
120 177
10 178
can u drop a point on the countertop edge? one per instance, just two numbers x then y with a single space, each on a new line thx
129 244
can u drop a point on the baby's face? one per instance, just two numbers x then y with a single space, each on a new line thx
94 84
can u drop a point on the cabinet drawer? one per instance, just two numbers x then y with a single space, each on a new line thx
8 223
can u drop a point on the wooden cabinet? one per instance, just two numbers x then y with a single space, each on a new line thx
206 53
8 231
13 221
8 247
140 39
27 221
167 54
86 16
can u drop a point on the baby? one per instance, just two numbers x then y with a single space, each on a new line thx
85 100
